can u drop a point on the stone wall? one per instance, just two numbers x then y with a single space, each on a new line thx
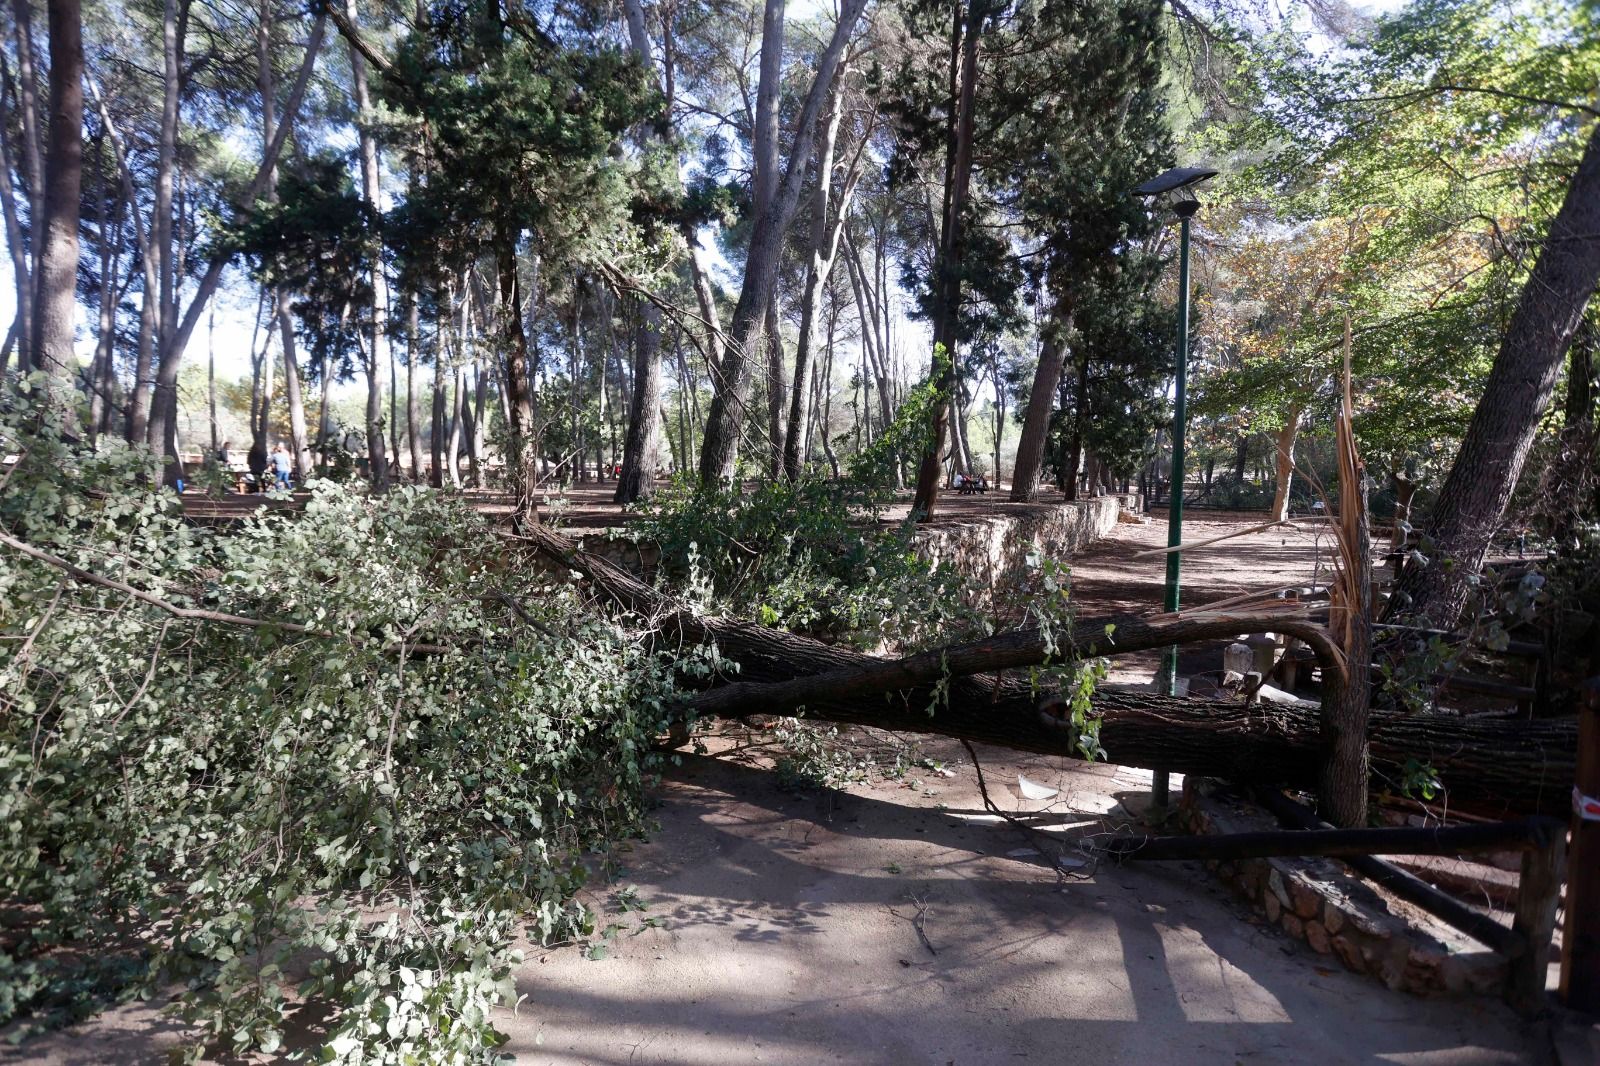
1336 913
993 548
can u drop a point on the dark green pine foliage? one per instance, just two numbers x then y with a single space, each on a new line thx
316 242
521 134
1079 121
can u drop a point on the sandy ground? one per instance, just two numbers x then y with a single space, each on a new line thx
890 925
899 922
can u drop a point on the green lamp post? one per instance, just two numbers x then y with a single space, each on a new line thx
1176 186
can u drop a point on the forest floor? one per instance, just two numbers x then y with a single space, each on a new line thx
897 921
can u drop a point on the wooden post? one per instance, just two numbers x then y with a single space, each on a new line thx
1538 894
1580 959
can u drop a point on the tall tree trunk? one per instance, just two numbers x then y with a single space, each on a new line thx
458 416
1484 475
57 274
775 201
101 372
437 430
1283 445
1241 452
520 466
1073 464
641 453
775 391
1025 473
827 220
966 28
378 343
413 414
163 406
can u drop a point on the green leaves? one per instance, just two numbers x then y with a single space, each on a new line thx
378 826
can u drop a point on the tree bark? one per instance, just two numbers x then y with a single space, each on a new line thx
378 342
1283 447
641 451
1025 473
827 220
1475 494
57 272
33 168
520 465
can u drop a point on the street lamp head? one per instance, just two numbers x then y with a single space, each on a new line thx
1177 180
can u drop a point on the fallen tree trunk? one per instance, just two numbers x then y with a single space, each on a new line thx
1496 765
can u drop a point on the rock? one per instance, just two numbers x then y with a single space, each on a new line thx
1306 899
1349 954
1333 915
1294 926
1273 907
1422 968
1317 937
1276 886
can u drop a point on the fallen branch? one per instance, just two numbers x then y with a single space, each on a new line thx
1496 766
197 614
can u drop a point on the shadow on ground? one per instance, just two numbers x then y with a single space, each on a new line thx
888 925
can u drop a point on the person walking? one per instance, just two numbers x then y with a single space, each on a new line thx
282 464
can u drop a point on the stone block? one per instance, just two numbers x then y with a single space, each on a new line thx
1317 937
1276 886
1293 926
1273 907
1304 896
1349 954
1333 914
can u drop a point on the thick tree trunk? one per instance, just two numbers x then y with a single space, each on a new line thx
520 466
1493 764
1484 475
641 451
1025 473
57 273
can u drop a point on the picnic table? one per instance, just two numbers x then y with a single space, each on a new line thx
969 486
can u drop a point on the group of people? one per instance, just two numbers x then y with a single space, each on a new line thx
280 462
967 485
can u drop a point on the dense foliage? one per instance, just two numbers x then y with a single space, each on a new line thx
366 800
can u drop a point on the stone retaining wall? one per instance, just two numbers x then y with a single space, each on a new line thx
992 548
1335 912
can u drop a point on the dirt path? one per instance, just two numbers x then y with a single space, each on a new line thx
897 922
